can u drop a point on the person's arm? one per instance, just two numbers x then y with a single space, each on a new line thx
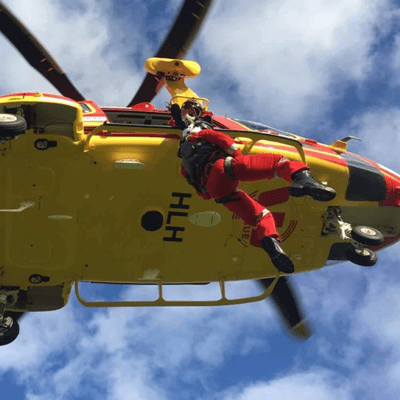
224 142
177 116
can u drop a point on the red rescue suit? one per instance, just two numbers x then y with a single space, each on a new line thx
225 169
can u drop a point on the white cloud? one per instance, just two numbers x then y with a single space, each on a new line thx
42 335
284 57
378 316
87 42
395 58
295 53
125 350
311 385
128 380
374 330
122 349
378 125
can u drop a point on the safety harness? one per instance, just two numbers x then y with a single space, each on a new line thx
199 157
195 157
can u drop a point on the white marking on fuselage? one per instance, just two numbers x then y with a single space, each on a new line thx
389 170
151 273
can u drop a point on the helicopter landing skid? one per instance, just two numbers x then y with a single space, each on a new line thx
162 302
359 237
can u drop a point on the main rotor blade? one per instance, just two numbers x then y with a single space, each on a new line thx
286 301
34 52
177 43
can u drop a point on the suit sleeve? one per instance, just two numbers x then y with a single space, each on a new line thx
224 142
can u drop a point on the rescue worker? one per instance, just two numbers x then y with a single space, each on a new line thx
214 165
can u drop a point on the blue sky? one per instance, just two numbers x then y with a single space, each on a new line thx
319 68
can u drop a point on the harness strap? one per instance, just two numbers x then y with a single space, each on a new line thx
232 149
228 198
262 215
228 167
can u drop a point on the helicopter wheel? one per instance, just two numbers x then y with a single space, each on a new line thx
9 331
367 236
364 257
11 126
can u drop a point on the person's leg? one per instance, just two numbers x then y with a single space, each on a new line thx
261 166
304 184
267 166
254 214
219 185
225 191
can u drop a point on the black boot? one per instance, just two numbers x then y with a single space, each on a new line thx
304 184
281 261
177 116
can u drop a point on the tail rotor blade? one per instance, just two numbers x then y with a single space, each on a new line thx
34 52
177 43
286 301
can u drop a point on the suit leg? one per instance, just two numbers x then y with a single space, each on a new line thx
261 166
253 214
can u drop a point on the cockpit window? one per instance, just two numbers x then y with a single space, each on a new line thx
258 126
366 182
85 108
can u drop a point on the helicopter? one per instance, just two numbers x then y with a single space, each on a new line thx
76 195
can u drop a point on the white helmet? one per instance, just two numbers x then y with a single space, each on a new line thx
191 108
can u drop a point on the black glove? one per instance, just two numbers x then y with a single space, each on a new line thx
177 116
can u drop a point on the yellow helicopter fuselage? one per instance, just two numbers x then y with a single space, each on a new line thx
113 207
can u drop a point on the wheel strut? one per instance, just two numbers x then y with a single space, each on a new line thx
360 237
3 302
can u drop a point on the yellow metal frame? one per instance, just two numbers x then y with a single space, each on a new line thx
174 73
257 137
173 67
182 98
161 302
